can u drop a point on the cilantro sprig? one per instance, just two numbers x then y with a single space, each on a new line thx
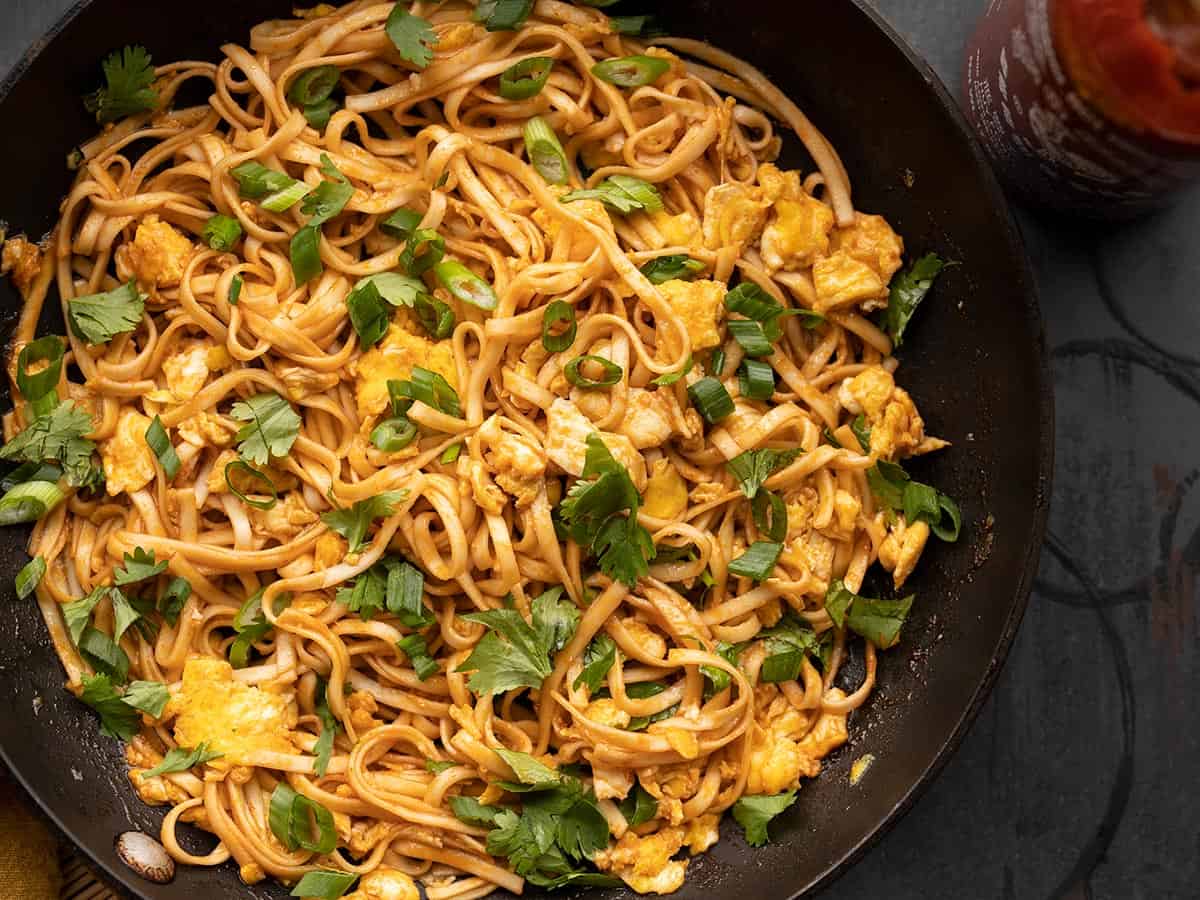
271 429
515 653
128 76
59 436
557 828
600 515
412 36
907 291
352 523
754 814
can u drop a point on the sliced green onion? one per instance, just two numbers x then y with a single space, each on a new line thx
545 152
758 562
435 316
770 515
405 595
503 15
30 576
642 192
749 334
526 78
631 25
299 822
242 466
401 223
314 85
676 267
672 377
235 290
424 250
716 362
751 301
319 114
28 502
160 443
465 285
30 471
631 71
435 391
417 651
451 453
324 884
369 314
612 372
393 434
556 312
222 232
711 399
35 386
256 181
400 393
756 380
282 201
306 254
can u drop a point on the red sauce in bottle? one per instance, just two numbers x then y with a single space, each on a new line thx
1089 106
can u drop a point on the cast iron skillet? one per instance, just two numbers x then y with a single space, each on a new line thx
975 362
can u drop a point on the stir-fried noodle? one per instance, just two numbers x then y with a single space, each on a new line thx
426 541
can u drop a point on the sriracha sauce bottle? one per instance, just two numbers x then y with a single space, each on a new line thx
1090 107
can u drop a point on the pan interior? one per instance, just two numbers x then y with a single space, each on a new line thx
974 362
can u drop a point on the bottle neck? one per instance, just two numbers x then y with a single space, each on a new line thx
1138 61
1177 24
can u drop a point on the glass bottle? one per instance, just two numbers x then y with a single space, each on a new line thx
1089 107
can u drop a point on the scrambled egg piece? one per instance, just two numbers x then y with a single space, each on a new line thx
157 256
734 215
187 370
702 833
23 259
582 242
301 382
385 884
234 719
682 230
206 429
566 443
800 225
647 419
666 492
871 240
606 712
329 551
488 497
806 546
455 36
897 429
699 305
846 508
285 519
781 752
127 458
902 548
519 465
841 280
154 790
644 863
393 359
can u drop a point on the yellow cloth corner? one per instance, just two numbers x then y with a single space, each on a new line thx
28 852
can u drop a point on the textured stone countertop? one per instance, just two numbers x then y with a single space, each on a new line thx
1078 779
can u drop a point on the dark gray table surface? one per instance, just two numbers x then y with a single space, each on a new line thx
1078 780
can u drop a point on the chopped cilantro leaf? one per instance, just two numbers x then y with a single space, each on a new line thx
352 523
271 429
128 76
754 813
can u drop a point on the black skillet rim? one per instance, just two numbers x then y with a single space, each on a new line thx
1026 289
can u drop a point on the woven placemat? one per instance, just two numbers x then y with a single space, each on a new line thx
35 862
